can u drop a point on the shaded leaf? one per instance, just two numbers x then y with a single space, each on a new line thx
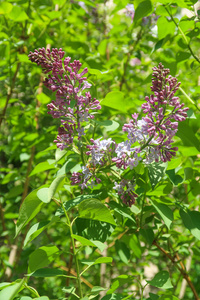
165 212
191 220
120 281
175 179
143 9
37 228
161 280
156 172
123 251
46 272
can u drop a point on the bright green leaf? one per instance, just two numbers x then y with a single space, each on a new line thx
17 14
12 290
95 210
41 167
42 257
86 242
55 185
5 7
43 98
115 100
29 209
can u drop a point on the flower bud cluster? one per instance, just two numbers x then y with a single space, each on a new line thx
163 110
72 106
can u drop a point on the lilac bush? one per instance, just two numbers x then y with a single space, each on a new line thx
149 139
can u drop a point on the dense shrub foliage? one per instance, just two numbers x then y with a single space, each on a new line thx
100 147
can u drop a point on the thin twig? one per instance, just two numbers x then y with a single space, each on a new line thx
181 268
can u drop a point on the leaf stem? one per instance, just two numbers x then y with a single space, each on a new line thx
74 251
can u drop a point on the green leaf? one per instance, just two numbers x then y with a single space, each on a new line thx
86 242
30 207
165 27
165 212
123 251
115 100
103 260
175 179
94 230
113 297
174 163
74 202
153 297
161 280
42 257
5 7
37 228
55 185
124 211
41 167
17 14
46 272
100 260
181 56
170 297
43 98
143 9
120 281
95 210
191 220
156 172
187 135
108 125
148 234
12 290
188 151
42 194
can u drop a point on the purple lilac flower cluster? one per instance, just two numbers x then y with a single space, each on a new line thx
71 106
153 133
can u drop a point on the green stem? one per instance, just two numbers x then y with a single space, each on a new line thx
31 289
183 35
188 97
141 215
74 251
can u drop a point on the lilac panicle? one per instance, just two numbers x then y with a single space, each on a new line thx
72 105
154 133
163 111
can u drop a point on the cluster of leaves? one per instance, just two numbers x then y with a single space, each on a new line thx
162 229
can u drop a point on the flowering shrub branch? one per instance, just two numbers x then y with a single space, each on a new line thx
153 133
